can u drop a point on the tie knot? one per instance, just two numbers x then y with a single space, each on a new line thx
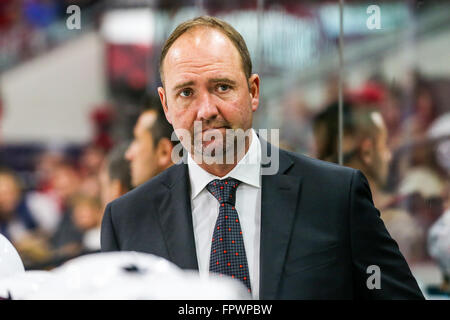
224 190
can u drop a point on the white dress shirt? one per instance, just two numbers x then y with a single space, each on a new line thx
205 209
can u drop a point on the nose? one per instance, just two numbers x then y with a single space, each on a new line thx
207 109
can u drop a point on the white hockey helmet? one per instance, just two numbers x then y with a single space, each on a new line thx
132 276
10 261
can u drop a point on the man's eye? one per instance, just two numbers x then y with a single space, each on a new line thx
186 92
223 87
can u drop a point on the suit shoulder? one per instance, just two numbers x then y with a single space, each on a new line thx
149 190
308 166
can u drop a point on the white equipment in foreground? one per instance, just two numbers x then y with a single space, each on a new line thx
10 262
125 276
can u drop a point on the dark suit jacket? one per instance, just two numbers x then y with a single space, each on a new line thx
319 231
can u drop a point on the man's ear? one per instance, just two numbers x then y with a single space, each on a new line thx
162 98
253 85
164 153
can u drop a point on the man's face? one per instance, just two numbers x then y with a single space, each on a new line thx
204 81
141 152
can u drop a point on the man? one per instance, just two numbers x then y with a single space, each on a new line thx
150 152
114 176
310 231
365 149
364 142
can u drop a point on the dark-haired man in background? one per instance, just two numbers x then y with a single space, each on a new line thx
150 151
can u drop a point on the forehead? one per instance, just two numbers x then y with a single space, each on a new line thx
202 50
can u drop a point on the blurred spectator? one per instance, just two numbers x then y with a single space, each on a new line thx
424 180
150 152
439 249
423 112
16 220
44 169
115 175
115 180
326 132
365 148
66 184
90 162
87 217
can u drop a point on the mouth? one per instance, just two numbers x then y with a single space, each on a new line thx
215 128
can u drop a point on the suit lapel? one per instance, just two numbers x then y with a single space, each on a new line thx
176 219
278 206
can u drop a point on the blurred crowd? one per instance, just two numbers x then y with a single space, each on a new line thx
402 149
399 137
30 27
60 217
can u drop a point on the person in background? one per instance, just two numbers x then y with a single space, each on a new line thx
439 250
87 216
365 148
115 175
90 162
151 149
115 180
16 220
66 182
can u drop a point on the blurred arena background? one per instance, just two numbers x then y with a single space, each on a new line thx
69 95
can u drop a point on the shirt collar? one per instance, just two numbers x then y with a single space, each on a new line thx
247 170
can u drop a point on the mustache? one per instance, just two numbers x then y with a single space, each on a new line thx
205 125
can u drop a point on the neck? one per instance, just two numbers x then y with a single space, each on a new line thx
222 169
